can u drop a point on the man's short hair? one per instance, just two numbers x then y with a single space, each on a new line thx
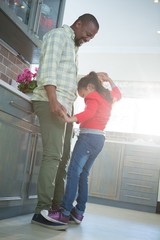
87 17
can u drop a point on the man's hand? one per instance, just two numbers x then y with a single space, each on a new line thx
55 106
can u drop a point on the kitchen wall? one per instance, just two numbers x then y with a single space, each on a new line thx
10 64
127 45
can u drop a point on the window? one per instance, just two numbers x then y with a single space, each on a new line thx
132 115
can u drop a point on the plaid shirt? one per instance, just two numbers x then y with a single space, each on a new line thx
58 67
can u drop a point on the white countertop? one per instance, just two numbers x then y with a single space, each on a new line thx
137 142
15 90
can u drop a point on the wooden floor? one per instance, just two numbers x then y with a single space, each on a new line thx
100 222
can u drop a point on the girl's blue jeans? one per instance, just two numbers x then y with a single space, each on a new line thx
86 149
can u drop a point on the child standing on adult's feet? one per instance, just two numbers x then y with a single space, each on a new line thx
93 120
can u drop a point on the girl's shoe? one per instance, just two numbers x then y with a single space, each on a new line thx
76 217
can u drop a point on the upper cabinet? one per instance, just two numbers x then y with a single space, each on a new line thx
23 24
49 12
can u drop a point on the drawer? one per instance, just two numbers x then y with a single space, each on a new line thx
148 199
139 186
147 152
141 174
142 162
16 105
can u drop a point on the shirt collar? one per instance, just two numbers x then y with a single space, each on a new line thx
69 30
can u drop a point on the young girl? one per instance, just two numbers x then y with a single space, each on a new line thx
90 142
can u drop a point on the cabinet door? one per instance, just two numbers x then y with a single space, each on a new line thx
34 167
140 175
106 172
15 151
29 20
50 16
20 8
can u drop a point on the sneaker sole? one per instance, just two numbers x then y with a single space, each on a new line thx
75 220
71 220
56 227
44 213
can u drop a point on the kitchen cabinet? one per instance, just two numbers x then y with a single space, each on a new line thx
104 180
24 23
21 154
140 175
126 173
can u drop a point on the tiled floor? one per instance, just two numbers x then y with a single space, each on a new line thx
100 222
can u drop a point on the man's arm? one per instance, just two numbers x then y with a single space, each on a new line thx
55 106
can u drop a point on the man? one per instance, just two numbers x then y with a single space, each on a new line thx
56 92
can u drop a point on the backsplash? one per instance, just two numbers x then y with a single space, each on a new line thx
10 64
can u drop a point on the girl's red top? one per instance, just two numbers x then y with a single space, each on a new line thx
97 110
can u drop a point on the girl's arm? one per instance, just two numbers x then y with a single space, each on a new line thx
68 119
103 77
88 113
115 92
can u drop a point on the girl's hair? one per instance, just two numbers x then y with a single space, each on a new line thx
93 79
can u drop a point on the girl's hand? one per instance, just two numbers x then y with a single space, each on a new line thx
103 77
68 119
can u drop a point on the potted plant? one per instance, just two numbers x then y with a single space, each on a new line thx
27 81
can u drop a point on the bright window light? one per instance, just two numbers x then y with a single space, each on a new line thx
131 115
141 116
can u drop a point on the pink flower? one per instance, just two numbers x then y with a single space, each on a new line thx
35 74
25 76
26 80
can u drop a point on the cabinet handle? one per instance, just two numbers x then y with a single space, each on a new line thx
33 154
142 174
131 196
138 185
20 107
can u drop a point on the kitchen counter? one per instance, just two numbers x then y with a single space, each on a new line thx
15 90
139 142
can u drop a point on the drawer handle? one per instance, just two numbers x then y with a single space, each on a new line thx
19 107
131 196
137 185
142 174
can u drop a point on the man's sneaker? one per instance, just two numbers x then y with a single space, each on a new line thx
55 207
55 216
75 216
40 220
